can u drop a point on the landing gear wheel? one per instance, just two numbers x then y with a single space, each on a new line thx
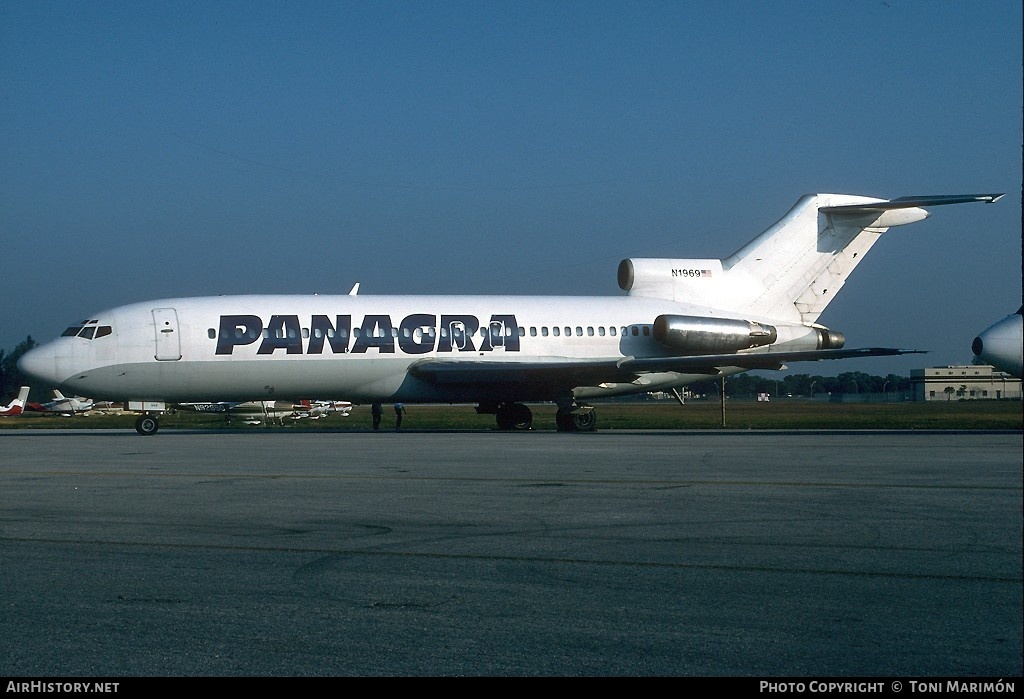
582 421
147 425
514 416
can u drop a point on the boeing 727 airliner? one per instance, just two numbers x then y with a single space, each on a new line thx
679 321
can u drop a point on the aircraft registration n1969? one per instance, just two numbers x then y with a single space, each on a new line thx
679 321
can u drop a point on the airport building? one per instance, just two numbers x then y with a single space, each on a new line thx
981 382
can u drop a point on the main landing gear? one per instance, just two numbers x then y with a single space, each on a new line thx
576 418
513 416
517 416
147 424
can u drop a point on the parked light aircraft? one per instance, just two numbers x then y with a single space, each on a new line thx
16 406
265 411
1002 344
316 409
63 405
680 320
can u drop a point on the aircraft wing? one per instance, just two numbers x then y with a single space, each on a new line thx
566 372
761 360
591 372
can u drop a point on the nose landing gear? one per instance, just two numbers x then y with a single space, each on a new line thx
147 424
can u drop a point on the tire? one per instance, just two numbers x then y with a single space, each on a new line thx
584 422
147 425
514 416
522 417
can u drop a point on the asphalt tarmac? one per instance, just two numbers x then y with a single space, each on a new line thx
283 553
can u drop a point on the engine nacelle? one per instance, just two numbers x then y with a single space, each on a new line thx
704 335
708 335
830 339
696 281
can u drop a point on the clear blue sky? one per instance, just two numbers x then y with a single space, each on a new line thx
159 149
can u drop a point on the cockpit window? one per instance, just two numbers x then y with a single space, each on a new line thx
89 330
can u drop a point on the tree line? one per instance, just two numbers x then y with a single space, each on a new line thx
801 385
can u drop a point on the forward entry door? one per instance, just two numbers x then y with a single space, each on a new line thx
168 345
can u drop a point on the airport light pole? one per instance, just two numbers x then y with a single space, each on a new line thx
722 391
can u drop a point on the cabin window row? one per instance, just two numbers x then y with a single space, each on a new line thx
534 331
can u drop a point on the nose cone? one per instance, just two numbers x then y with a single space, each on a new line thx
1002 345
41 363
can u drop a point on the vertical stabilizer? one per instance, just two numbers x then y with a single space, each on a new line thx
794 269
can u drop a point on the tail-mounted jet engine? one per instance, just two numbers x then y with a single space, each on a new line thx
829 339
697 335
702 335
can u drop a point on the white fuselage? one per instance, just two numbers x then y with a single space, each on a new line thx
356 347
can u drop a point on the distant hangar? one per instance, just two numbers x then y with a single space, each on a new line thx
973 382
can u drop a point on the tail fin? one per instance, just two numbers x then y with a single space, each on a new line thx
798 265
795 268
16 406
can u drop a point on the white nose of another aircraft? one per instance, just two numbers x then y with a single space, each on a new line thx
1002 345
41 363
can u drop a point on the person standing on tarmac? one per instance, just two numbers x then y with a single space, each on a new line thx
377 412
399 412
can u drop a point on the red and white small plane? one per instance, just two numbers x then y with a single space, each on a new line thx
16 406
63 405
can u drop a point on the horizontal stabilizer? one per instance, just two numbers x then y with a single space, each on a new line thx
912 202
